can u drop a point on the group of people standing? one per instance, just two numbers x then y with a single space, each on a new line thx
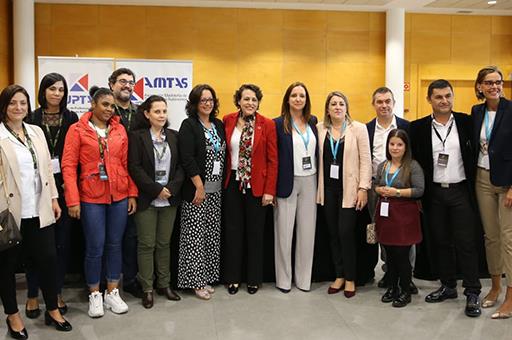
124 173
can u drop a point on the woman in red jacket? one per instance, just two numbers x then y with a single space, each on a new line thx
251 163
103 194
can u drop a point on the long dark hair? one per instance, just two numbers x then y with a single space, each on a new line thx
47 81
140 119
405 173
193 101
285 107
6 96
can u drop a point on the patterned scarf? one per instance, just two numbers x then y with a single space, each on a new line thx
244 153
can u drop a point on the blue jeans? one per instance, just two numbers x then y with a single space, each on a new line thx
104 226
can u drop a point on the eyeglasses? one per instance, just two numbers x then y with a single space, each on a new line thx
206 100
491 83
125 82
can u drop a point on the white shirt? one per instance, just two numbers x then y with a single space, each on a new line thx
30 178
235 148
454 171
380 136
483 157
161 165
299 152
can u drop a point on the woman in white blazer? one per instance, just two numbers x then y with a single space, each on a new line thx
28 190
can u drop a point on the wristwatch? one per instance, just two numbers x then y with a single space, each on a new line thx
398 193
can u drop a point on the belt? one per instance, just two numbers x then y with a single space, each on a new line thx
450 185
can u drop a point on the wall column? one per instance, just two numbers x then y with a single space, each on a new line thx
395 60
24 46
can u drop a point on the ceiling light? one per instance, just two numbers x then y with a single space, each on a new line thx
492 2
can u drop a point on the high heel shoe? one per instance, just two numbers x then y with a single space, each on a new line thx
60 326
63 310
32 313
16 334
349 293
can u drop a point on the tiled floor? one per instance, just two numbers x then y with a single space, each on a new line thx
270 314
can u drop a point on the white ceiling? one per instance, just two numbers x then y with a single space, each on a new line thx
503 7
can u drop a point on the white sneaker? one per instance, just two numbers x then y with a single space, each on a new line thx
114 302
96 305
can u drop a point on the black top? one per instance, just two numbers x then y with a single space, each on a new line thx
192 146
141 165
127 115
329 182
68 118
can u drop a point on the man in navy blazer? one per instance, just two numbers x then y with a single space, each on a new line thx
379 128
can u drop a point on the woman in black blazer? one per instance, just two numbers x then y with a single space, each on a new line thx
54 118
202 145
154 165
492 122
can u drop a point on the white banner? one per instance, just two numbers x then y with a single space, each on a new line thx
167 78
81 74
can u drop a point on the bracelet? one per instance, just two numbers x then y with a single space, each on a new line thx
364 189
398 194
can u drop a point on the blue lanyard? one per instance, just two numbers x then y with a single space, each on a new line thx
304 140
335 147
214 138
488 126
389 182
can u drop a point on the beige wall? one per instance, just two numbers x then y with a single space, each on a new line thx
272 48
5 43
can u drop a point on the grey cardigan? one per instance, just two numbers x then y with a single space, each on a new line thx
417 179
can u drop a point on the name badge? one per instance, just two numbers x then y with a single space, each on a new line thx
306 163
335 171
56 165
442 160
384 209
103 172
216 168
160 176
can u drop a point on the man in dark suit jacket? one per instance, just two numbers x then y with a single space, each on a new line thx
379 128
441 143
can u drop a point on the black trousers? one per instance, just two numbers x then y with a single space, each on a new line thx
341 224
130 265
244 218
399 267
453 228
38 252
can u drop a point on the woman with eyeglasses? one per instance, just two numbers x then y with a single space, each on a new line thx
202 146
27 189
250 186
101 193
54 119
345 174
492 123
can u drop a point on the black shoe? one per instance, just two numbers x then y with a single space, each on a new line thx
63 310
147 300
60 326
402 300
252 289
383 283
14 334
441 294
32 313
389 295
233 288
134 289
413 289
473 306
282 290
169 293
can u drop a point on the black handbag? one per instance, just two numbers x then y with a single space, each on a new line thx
10 234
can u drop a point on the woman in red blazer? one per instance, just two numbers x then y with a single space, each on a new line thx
250 185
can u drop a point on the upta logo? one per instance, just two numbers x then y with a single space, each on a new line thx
79 90
166 82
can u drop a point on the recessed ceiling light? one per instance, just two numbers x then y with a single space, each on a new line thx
492 2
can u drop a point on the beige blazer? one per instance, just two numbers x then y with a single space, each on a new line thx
357 163
10 167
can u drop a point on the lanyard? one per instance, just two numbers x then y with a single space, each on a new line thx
29 144
389 182
335 146
213 137
53 141
128 116
304 140
488 126
101 141
439 136
159 155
